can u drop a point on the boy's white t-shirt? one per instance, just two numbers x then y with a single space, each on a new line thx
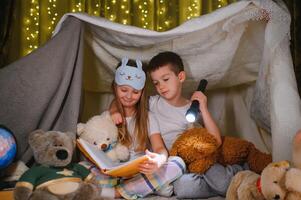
171 119
153 128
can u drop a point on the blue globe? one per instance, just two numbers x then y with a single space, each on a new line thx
8 147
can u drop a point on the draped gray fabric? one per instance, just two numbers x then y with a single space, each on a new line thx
43 89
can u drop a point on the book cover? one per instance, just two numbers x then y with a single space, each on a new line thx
106 165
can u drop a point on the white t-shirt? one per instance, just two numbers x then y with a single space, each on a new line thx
171 119
153 128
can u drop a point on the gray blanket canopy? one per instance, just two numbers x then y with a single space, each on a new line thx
242 50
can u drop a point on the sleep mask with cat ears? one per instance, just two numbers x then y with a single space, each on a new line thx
128 75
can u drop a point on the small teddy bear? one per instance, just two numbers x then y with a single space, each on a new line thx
55 177
199 150
101 131
293 176
250 185
287 186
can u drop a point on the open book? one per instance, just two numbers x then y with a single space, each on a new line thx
106 165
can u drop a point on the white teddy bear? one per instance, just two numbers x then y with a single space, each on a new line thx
101 131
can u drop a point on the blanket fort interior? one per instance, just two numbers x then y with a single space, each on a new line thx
242 50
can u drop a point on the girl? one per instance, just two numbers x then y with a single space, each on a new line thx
139 132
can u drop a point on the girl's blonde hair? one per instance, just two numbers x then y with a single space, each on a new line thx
141 120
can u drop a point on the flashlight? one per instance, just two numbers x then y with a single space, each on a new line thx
193 111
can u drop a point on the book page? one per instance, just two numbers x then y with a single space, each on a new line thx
97 155
120 169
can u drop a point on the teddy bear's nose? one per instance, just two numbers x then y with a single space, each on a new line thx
62 154
103 147
276 197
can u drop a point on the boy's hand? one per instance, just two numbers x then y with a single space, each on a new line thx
201 98
116 117
154 162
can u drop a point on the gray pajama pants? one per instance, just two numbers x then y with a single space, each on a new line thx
214 182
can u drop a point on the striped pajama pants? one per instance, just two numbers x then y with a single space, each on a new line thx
142 185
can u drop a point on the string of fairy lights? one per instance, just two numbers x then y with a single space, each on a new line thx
31 26
52 14
159 15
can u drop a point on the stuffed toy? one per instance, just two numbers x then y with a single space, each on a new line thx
249 185
199 150
101 131
55 177
287 186
279 180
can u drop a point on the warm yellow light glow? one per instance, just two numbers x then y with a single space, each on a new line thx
133 12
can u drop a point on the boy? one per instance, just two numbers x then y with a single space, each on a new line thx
169 107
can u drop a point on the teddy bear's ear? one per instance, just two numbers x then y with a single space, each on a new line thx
80 128
71 135
35 136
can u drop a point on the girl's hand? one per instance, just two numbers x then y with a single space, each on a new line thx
201 98
116 117
154 162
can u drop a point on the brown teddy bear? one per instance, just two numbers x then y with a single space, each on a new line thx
55 177
199 150
250 185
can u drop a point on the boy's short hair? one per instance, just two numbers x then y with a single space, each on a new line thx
165 58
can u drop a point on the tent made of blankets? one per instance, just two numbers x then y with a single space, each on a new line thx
242 50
